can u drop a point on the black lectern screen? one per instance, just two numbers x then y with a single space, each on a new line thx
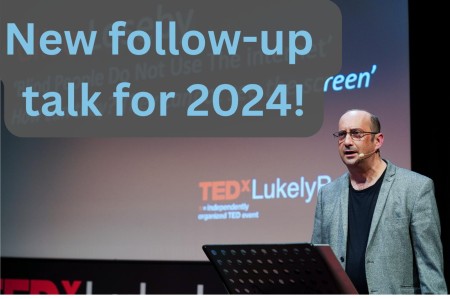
300 268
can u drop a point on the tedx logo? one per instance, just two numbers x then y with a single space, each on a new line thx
223 190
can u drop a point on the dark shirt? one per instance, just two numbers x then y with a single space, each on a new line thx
361 205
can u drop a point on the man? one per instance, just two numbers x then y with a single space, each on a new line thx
380 220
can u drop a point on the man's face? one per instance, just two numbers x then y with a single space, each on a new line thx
356 142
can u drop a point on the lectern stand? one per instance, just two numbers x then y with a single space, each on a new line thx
300 268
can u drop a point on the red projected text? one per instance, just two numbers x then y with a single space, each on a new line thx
223 190
37 286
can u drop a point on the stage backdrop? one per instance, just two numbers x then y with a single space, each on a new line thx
161 199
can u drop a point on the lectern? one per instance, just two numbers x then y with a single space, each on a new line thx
294 268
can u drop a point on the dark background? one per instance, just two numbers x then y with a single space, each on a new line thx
428 96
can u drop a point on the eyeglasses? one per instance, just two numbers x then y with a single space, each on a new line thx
355 134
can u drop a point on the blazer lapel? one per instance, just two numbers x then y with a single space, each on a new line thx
343 206
382 198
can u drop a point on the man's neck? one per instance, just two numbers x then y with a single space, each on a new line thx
365 175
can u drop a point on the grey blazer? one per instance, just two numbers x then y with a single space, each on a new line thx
404 250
